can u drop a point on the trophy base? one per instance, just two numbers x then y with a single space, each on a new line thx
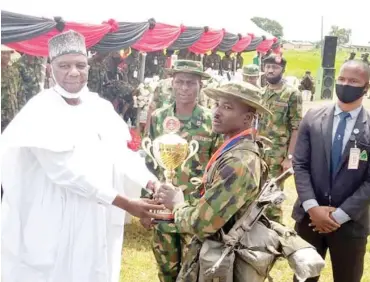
167 216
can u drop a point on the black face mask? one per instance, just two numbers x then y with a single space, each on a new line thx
275 79
348 94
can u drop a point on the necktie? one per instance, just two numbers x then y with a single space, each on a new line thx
337 147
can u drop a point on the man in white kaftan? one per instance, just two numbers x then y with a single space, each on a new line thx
64 160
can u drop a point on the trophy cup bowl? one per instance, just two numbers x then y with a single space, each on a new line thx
169 151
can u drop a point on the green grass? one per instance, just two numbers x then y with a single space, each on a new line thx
139 265
298 62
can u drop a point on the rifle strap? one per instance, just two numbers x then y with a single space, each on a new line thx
240 221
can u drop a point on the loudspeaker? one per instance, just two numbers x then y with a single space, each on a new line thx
325 81
329 52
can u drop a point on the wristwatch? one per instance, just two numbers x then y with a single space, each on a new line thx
290 157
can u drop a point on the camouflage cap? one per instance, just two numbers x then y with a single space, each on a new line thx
251 70
246 92
275 59
188 66
69 42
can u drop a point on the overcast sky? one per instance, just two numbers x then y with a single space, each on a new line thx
301 22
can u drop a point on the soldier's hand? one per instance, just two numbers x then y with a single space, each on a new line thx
146 223
321 220
169 196
286 164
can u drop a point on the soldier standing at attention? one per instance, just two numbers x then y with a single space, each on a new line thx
232 177
307 87
351 56
285 102
194 124
98 76
213 61
227 62
365 58
251 74
12 98
30 69
133 63
239 61
162 97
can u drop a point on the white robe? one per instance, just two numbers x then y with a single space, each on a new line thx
62 166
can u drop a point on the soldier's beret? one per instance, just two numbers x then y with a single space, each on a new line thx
275 59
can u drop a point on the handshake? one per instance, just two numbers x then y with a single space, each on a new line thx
165 196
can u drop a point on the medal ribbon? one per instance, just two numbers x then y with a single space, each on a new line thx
224 147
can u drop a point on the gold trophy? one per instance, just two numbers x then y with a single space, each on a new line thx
170 151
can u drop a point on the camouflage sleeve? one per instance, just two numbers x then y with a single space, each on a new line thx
152 135
295 110
155 103
231 189
21 95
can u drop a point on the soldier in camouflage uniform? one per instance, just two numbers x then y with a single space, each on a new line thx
239 61
168 246
98 76
133 63
365 58
232 178
12 98
227 62
285 102
163 96
351 56
154 63
30 69
251 74
213 61
111 65
307 86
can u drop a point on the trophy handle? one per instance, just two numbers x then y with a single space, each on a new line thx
147 144
193 148
196 181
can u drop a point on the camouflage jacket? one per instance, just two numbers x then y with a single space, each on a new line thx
154 63
239 62
198 127
163 94
213 61
97 76
307 83
286 108
133 64
12 98
232 185
227 63
30 72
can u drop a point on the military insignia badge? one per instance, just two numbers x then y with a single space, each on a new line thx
363 156
278 59
171 125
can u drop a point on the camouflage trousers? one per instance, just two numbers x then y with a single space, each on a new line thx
169 251
275 169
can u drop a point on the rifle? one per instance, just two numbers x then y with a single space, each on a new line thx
270 194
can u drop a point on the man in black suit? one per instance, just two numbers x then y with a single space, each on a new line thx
332 175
